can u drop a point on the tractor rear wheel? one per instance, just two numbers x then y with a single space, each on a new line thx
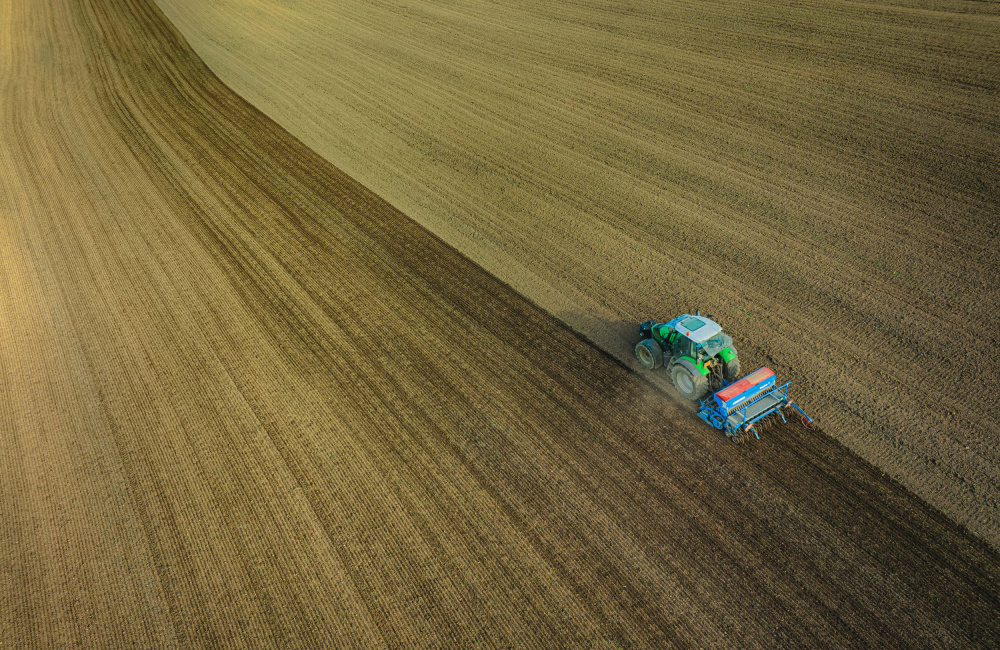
650 354
731 368
689 385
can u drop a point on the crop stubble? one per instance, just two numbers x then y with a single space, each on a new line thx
821 175
246 401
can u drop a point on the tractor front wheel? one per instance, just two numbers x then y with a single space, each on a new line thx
690 386
650 354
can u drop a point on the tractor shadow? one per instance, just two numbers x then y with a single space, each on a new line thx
617 338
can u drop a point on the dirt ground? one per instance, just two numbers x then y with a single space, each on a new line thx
247 403
822 176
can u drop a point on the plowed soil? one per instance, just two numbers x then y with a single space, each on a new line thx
246 402
822 176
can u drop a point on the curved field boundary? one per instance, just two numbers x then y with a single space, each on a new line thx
823 176
248 403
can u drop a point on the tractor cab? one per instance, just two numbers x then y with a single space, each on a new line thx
697 337
697 328
694 350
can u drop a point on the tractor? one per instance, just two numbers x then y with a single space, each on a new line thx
702 360
695 352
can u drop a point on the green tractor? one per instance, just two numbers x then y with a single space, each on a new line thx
694 350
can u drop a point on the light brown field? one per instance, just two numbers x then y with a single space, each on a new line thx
246 402
822 176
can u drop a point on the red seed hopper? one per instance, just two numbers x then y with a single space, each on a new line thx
749 404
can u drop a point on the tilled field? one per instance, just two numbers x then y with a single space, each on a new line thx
821 175
246 402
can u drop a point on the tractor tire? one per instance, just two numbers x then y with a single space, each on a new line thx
731 370
650 354
690 385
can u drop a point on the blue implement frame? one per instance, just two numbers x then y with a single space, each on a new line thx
743 418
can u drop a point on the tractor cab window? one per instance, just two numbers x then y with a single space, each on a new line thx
684 347
716 344
692 323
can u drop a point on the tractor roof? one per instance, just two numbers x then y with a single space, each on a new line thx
696 328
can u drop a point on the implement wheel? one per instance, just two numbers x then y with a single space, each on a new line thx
690 386
650 354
